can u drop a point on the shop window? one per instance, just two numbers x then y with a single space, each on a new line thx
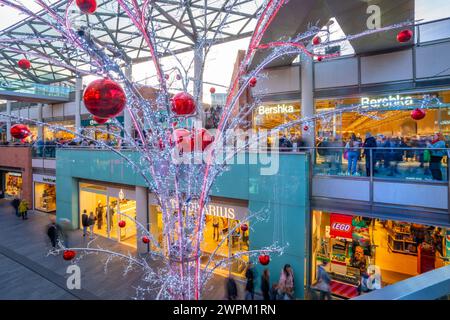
13 185
44 197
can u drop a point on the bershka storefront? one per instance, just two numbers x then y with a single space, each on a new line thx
222 215
366 254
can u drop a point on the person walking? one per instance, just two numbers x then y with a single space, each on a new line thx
15 203
436 155
23 209
85 222
286 282
250 285
353 152
231 289
323 282
369 145
265 284
91 222
52 233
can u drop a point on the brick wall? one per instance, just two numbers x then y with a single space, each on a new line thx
19 159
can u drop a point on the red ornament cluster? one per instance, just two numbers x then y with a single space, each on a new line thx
404 36
418 114
212 90
104 98
145 239
20 131
69 255
24 64
264 259
122 224
253 82
87 6
183 104
244 227
187 141
316 40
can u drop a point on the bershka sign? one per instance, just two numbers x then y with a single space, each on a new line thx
390 101
278 109
341 226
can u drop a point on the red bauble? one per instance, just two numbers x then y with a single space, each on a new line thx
418 114
100 120
87 6
404 36
253 82
122 224
316 40
319 58
69 255
20 131
183 140
166 76
24 64
178 77
204 138
212 90
104 98
244 227
183 104
305 128
145 239
264 259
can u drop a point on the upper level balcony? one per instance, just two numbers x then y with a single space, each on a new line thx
34 92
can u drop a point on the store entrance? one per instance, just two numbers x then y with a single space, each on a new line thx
108 208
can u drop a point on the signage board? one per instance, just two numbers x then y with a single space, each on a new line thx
341 226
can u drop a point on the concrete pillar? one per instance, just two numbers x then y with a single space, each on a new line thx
78 88
307 89
8 121
141 216
198 82
40 106
127 124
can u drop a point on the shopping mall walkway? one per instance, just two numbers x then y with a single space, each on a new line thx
26 272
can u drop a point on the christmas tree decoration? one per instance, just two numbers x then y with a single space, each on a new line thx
212 90
24 64
145 239
69 255
178 77
122 224
166 76
264 259
104 98
183 140
20 131
252 82
404 36
319 58
100 120
202 139
316 40
87 6
418 114
183 104
305 128
244 227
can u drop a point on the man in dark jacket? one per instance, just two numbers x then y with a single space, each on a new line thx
369 143
250 285
15 203
85 222
231 289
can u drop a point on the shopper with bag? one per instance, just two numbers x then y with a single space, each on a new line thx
286 283
323 282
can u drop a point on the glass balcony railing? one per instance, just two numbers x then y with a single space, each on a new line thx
37 89
417 164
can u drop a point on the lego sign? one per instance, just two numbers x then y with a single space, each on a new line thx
340 226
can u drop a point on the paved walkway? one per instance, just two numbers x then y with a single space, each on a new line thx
26 272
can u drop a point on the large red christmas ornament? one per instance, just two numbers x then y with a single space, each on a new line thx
404 36
253 82
418 114
203 138
24 64
244 227
183 140
145 239
87 6
100 120
264 259
69 255
104 98
183 104
212 90
122 224
316 40
20 131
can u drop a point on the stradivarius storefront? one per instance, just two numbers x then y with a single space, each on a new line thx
100 182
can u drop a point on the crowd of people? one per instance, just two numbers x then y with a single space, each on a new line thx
382 153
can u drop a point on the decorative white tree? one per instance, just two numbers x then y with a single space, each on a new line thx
178 160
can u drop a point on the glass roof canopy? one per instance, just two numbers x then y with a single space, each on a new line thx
177 27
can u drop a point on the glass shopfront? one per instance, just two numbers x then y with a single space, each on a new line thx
99 134
373 252
270 115
11 184
387 121
44 193
108 206
221 218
